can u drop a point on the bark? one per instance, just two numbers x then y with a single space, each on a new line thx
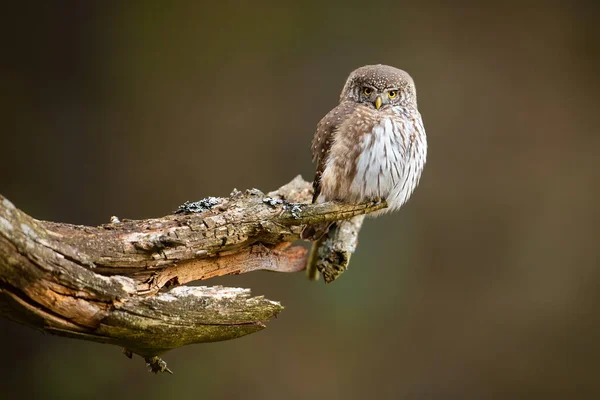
104 283
331 254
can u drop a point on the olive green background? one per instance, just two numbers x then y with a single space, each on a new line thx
485 285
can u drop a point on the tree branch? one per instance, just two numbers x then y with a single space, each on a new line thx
102 283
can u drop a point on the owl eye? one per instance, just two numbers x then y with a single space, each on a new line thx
392 93
368 91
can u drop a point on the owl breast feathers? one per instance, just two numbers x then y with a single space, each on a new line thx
373 144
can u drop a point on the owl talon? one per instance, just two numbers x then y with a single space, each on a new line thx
377 201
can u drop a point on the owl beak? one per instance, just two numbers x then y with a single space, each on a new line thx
378 102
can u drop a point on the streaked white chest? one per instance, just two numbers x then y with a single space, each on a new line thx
391 159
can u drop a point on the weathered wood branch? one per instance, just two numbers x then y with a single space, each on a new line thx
332 253
102 283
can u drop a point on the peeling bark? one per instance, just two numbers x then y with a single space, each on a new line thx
102 283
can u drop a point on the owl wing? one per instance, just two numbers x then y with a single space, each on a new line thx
321 146
323 139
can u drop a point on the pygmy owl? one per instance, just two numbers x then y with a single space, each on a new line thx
372 146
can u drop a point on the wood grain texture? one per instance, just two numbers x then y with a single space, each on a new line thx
103 283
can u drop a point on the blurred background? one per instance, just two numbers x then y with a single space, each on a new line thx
486 285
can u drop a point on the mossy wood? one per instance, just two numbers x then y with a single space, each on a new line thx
102 283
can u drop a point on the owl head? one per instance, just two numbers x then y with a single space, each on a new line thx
380 86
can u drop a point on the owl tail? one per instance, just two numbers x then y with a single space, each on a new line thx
311 266
316 233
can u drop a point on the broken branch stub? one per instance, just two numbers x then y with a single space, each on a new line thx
332 256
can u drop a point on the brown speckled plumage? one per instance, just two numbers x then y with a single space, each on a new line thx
372 145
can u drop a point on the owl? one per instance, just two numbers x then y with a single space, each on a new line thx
372 146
